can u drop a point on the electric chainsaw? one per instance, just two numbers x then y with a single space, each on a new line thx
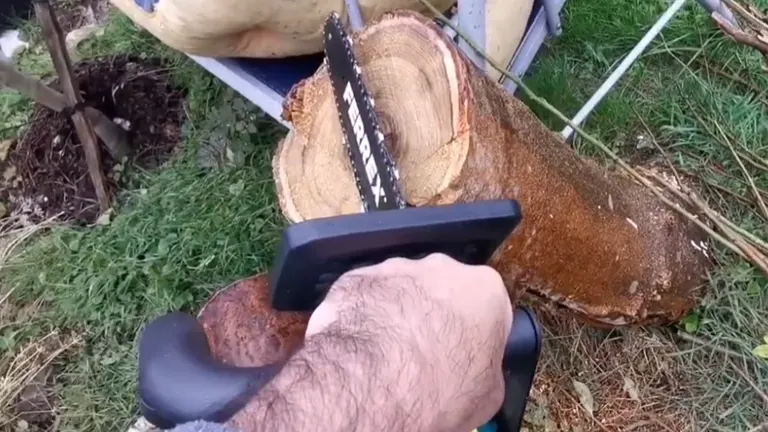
314 254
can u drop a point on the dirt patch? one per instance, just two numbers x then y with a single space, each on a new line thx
628 378
46 173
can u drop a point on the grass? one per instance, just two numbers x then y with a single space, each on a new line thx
181 232
177 234
685 91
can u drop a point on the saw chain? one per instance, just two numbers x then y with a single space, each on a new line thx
374 169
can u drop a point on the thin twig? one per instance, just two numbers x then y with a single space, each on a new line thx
697 340
744 170
723 223
658 147
738 245
749 381
760 94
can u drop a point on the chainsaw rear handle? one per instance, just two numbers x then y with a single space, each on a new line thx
180 381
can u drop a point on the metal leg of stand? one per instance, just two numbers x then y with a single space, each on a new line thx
532 42
623 67
245 84
449 30
355 16
472 23
552 12
713 6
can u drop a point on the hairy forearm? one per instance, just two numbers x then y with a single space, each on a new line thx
385 353
357 370
338 381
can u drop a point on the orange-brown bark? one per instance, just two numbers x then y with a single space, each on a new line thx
244 330
591 240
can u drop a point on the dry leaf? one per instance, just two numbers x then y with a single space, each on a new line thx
631 388
761 351
105 218
585 396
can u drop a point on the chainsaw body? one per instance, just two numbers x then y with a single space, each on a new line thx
314 253
180 381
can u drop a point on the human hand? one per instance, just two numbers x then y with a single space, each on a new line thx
402 345
435 330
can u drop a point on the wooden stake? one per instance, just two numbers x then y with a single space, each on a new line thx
54 38
113 136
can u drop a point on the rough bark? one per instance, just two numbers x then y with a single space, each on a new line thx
244 330
591 240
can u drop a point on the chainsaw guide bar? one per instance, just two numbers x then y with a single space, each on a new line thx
375 172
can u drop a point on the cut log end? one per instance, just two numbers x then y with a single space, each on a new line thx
592 241
419 115
243 329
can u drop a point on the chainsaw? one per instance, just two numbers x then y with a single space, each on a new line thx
174 355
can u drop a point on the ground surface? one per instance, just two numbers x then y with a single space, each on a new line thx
183 231
51 176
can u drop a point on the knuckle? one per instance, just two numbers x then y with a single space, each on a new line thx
490 275
397 262
439 258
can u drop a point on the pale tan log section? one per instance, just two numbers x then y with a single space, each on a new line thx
283 28
505 23
591 240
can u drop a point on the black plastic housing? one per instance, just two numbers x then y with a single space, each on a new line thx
314 253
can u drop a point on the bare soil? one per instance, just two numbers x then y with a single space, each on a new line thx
46 174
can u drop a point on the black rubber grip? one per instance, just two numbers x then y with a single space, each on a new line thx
180 381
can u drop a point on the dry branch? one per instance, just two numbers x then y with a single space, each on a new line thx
591 240
754 32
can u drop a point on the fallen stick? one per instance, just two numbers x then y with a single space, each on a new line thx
591 240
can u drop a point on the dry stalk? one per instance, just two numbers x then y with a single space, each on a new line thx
749 381
744 170
755 33
728 237
32 359
19 236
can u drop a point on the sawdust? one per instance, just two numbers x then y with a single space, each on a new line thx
634 379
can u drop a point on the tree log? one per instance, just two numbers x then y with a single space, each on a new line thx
244 28
244 330
591 240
